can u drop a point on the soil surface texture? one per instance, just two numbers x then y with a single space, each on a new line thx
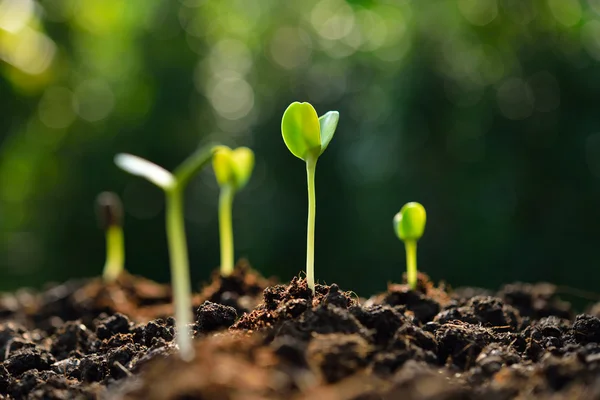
255 339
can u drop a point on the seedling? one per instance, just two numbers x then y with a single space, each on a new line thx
173 185
409 225
110 217
307 136
232 169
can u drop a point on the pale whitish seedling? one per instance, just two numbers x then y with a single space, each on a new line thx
232 170
173 185
307 136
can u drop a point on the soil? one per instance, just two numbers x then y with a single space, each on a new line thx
259 340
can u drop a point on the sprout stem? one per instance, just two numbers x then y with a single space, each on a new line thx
115 253
311 164
226 229
180 271
411 263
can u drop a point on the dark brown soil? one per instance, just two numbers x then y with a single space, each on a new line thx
257 340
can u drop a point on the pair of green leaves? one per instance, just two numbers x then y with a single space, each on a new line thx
233 167
306 134
409 223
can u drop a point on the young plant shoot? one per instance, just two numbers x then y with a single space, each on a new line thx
307 136
110 217
409 225
232 169
173 185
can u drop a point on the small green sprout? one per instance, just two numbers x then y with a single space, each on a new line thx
110 217
307 136
409 225
173 185
232 169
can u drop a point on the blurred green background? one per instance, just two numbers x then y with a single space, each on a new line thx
485 111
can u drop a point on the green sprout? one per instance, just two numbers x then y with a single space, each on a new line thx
307 136
173 185
110 216
232 169
409 225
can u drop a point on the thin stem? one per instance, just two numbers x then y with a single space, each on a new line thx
194 163
180 272
115 253
411 263
311 164
226 229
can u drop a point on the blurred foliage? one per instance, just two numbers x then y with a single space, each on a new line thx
485 111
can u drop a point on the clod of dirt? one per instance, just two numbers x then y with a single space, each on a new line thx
586 329
241 290
212 317
383 320
535 301
337 356
27 359
460 343
108 326
288 302
486 310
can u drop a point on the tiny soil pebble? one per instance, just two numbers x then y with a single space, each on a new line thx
255 339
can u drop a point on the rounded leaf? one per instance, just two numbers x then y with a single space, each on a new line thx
409 223
233 167
222 165
243 164
301 130
328 123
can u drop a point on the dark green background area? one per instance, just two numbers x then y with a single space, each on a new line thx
485 111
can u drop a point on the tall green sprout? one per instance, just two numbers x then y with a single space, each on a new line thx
109 210
173 185
232 169
409 225
307 136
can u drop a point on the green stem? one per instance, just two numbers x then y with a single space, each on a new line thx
180 272
226 229
115 253
411 263
311 164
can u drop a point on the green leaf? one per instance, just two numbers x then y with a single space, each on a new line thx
301 130
328 124
409 223
141 167
233 167
243 164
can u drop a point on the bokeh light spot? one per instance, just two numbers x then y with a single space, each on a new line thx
373 29
28 50
566 12
94 100
515 99
232 97
290 47
590 37
478 12
332 19
595 5
230 54
55 108
15 14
